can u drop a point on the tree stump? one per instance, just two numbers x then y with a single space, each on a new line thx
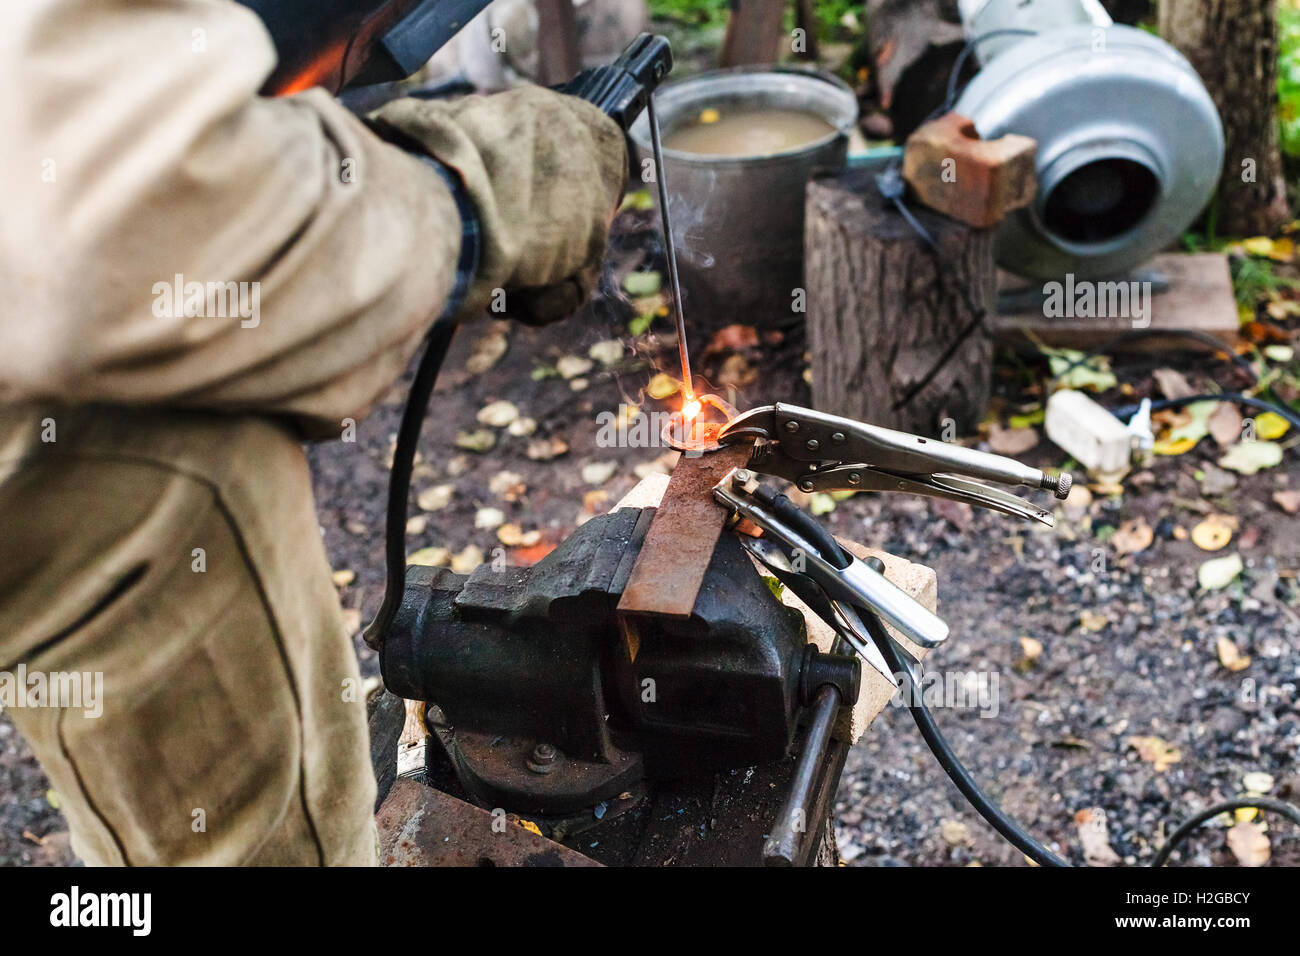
882 309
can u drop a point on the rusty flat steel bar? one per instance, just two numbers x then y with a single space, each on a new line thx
421 826
679 544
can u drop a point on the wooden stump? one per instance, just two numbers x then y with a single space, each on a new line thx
882 309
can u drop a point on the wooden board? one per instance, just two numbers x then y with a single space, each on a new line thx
1199 298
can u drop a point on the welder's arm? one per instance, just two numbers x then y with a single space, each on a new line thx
140 160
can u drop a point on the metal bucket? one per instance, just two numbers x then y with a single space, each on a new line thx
738 220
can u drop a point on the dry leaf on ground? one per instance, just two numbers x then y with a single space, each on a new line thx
1132 536
1155 751
1249 843
1229 656
1214 532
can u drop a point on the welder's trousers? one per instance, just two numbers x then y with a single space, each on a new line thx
176 557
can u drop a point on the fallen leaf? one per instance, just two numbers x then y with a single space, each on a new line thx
480 440
497 414
641 284
1075 370
1257 781
53 799
1030 649
1214 533
1172 384
1261 332
732 338
435 498
1270 425
594 500
467 560
1092 621
1012 441
1195 422
736 372
663 385
821 503
416 524
343 577
1225 425
1288 501
954 833
1155 751
1175 446
508 485
522 427
607 352
512 536
1091 827
431 557
1218 573
1229 656
485 519
1249 843
545 449
1248 457
487 351
571 366
598 472
1279 353
1132 536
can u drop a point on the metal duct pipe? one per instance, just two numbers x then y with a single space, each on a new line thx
1129 142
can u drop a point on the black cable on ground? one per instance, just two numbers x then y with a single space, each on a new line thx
948 760
996 817
1290 811
1124 411
399 477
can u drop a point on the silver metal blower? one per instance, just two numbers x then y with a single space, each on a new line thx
1129 142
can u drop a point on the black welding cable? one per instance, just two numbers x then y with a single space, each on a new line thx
399 477
1125 411
1290 811
949 761
1016 835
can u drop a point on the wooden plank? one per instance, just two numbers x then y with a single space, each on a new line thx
1199 298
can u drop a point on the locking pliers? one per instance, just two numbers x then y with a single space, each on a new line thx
821 452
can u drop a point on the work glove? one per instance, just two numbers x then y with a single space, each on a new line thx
544 172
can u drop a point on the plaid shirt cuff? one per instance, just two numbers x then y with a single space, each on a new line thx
470 237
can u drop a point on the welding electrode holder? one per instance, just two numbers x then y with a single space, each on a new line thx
623 88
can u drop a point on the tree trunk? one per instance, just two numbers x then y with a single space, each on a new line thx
1232 44
883 308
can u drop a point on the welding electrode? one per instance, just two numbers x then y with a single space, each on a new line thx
688 387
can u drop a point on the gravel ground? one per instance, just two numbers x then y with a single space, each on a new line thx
1145 665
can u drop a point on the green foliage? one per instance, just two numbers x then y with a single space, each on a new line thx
1254 279
713 13
1288 75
